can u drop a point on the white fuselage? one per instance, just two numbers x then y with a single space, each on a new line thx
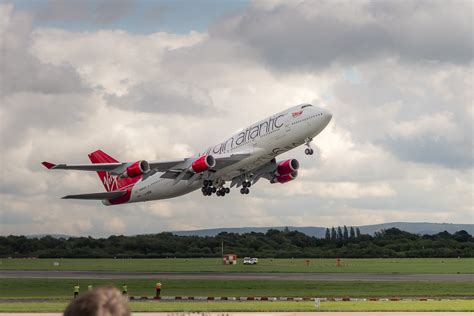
263 140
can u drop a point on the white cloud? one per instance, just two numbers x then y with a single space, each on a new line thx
438 124
114 225
399 146
112 60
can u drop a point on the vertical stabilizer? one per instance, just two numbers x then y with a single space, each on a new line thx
110 182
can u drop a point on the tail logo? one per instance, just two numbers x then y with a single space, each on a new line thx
110 182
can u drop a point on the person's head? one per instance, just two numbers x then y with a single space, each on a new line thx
102 301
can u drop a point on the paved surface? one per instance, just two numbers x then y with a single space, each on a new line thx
272 314
234 276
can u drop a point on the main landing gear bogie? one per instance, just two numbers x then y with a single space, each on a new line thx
245 187
222 191
208 189
244 191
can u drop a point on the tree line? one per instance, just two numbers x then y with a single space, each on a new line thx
338 242
342 233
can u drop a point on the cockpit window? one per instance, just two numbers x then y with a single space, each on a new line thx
305 106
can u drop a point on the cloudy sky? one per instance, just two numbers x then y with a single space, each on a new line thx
164 79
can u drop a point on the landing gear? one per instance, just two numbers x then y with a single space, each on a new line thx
208 188
246 184
222 191
244 191
207 191
308 151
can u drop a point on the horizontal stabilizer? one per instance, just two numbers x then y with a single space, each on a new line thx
48 165
88 167
97 196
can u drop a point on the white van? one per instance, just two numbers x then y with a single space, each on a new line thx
248 260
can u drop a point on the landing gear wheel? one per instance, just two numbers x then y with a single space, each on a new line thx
227 190
214 190
242 191
247 191
307 143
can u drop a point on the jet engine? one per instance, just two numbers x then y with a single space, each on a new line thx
137 168
285 178
287 167
203 163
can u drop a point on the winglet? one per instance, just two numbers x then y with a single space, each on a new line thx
48 165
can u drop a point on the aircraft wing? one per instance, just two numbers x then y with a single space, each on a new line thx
225 161
180 169
163 166
96 196
222 161
174 169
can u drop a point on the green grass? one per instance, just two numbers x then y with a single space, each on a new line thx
432 265
431 306
62 288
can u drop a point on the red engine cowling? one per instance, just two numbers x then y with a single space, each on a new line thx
203 163
285 178
137 168
287 167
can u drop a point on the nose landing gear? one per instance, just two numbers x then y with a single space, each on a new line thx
308 151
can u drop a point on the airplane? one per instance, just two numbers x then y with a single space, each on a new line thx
243 159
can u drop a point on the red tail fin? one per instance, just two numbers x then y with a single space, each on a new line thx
110 182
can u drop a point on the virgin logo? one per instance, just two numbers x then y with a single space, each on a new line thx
110 182
296 114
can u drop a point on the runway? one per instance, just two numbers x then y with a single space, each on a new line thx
16 274
268 314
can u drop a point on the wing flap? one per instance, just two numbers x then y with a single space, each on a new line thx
163 166
97 196
225 161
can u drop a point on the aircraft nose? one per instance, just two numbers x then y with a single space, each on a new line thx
327 115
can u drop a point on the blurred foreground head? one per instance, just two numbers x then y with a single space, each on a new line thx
102 301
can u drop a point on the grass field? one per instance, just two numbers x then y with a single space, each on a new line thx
62 288
456 305
432 265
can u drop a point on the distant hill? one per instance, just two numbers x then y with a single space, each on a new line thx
414 228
